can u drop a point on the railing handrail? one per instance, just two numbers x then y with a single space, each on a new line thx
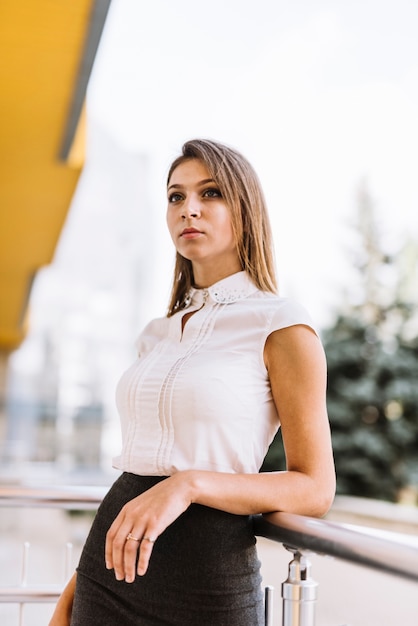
384 552
57 497
346 542
30 594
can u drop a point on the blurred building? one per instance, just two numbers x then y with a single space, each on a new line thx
47 55
87 308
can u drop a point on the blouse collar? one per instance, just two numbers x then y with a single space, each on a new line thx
226 291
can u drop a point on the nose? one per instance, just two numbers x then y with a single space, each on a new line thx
190 208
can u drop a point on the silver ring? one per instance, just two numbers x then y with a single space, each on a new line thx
150 539
130 536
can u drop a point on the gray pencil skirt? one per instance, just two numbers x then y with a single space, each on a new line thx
203 571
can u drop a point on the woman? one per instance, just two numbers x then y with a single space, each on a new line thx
172 542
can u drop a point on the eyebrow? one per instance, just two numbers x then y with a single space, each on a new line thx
205 181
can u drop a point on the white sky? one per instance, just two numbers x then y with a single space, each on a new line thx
317 94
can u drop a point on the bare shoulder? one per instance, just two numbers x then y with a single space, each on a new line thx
296 345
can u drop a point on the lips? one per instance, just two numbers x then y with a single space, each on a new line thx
190 233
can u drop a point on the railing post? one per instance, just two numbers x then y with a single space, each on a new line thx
299 593
68 565
24 579
268 606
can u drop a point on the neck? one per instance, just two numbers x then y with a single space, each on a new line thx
205 277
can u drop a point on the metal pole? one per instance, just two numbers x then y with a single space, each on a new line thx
268 606
299 593
24 579
68 561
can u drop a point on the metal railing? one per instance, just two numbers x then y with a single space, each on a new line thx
382 551
379 550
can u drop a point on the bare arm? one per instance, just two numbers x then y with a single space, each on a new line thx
297 370
296 365
62 612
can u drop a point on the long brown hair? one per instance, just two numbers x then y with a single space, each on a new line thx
241 190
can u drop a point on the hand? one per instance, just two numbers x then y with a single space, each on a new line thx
143 519
63 609
60 618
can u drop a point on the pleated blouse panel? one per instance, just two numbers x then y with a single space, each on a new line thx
200 397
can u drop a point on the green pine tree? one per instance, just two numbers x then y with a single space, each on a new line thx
372 354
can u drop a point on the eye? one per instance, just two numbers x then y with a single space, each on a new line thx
175 197
212 193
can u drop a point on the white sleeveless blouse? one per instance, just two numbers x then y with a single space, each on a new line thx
201 398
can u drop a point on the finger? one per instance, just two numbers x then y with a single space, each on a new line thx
130 556
119 545
147 545
110 535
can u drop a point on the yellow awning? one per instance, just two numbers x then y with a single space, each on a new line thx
47 50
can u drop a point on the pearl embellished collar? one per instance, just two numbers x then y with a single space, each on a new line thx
226 291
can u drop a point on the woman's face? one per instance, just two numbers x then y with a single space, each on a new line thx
199 220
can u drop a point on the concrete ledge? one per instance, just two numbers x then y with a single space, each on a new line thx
377 513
